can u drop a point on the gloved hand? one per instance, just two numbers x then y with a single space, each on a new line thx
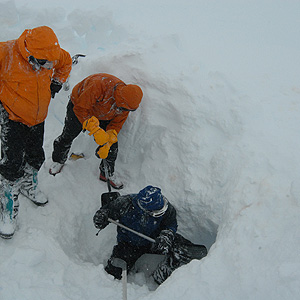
101 218
113 136
102 152
55 87
92 125
163 243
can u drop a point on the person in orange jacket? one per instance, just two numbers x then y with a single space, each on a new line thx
32 70
100 104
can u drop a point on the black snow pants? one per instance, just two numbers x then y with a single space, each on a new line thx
178 256
20 144
71 130
127 252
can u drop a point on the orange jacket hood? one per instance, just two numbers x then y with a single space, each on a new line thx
128 96
40 42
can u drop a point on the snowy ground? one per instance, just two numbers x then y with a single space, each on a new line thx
218 131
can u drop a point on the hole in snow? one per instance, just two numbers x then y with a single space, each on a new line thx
79 241
198 179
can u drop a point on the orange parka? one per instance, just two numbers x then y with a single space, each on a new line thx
94 96
24 92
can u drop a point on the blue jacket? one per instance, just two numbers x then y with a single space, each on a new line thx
126 210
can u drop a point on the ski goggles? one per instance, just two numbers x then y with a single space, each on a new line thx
125 109
157 213
37 64
118 109
44 63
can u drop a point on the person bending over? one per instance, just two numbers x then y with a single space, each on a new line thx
100 104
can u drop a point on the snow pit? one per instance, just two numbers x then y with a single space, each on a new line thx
218 131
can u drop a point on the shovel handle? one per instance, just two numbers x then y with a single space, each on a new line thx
105 163
120 263
129 229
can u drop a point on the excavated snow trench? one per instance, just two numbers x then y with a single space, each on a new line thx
201 178
80 242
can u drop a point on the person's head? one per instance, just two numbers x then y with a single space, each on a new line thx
39 46
151 201
128 96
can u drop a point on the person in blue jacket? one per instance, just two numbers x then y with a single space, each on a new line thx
150 213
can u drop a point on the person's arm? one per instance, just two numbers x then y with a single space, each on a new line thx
90 92
164 241
119 206
114 209
62 67
117 122
169 221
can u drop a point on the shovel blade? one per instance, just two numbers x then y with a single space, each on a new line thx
76 156
108 197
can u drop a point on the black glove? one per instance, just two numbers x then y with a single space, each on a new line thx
101 218
163 243
55 87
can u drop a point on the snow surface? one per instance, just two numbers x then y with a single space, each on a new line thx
217 130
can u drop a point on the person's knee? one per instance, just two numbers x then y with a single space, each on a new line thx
114 271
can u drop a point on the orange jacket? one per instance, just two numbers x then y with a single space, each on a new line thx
94 96
24 92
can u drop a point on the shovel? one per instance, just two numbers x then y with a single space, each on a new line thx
107 197
110 196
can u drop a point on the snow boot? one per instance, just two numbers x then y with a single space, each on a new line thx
114 182
183 251
163 271
55 168
171 262
29 187
9 207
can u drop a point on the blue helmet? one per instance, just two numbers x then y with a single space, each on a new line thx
150 200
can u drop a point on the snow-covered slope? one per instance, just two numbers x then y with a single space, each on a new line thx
218 131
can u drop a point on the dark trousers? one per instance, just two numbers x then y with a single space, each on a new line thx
179 255
71 130
127 252
20 144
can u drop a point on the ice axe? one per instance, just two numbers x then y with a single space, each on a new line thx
75 59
